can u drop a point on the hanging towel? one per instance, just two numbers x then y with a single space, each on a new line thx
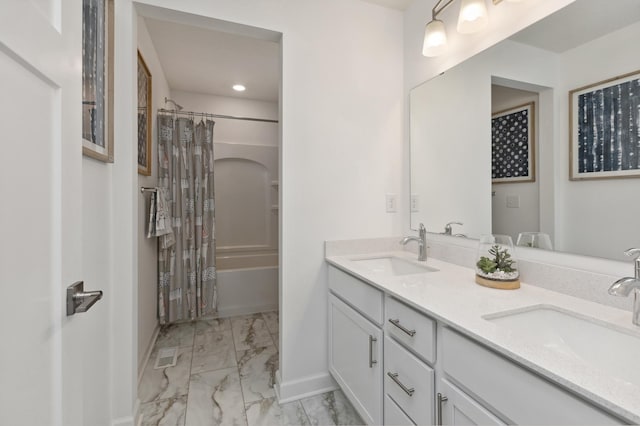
160 219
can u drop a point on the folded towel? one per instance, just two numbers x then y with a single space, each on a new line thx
160 219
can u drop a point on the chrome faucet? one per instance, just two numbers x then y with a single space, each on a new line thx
447 228
624 286
422 242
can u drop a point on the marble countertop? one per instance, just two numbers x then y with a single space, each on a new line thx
451 296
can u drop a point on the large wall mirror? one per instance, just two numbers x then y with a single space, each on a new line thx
452 180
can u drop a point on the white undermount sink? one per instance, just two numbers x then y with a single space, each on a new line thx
393 266
613 350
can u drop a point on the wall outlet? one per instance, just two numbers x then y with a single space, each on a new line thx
513 201
391 203
415 203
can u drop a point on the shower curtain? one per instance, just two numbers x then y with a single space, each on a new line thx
186 269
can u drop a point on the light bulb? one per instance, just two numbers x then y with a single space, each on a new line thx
473 16
435 38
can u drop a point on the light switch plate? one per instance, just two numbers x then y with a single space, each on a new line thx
415 203
513 201
391 203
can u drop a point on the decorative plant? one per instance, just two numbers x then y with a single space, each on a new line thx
501 261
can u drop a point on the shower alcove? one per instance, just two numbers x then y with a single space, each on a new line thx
246 227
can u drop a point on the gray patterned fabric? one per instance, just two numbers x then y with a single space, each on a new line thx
186 270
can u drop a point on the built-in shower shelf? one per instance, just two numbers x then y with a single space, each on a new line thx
275 184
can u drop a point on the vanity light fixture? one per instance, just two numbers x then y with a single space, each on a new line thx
239 88
472 18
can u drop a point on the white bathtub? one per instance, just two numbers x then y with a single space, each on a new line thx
247 283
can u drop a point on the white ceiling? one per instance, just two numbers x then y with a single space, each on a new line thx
579 23
391 4
201 60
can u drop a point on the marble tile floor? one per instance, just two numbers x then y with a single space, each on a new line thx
224 375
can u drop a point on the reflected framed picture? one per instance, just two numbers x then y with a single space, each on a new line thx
513 145
97 79
605 129
144 117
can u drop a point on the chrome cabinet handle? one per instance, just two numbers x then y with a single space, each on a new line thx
394 377
396 322
441 399
371 360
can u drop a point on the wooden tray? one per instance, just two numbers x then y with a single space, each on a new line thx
501 285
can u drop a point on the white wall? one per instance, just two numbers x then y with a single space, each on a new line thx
451 151
234 131
341 150
147 247
506 220
613 204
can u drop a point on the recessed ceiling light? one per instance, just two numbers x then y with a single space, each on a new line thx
239 88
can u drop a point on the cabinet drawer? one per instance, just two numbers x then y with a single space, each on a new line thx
411 374
362 296
393 415
521 396
413 329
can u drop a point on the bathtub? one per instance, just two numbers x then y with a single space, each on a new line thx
247 283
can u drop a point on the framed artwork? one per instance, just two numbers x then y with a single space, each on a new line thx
604 128
513 145
97 79
144 117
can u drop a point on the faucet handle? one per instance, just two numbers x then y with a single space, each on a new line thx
447 227
633 252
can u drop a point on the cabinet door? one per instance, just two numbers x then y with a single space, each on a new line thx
460 409
355 359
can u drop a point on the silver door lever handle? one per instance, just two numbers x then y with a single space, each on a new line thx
79 300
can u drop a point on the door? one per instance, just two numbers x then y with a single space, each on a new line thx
40 211
458 408
355 359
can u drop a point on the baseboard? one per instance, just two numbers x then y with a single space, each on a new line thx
147 354
303 388
245 310
123 421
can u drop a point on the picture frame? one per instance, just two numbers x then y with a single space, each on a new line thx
604 141
513 144
97 79
144 117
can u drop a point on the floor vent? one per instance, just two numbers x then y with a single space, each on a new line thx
167 357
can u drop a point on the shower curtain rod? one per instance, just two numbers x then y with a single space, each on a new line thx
206 114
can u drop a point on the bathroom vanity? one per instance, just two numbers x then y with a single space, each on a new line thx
420 343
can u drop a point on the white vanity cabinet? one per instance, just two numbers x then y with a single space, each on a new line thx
355 343
399 366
